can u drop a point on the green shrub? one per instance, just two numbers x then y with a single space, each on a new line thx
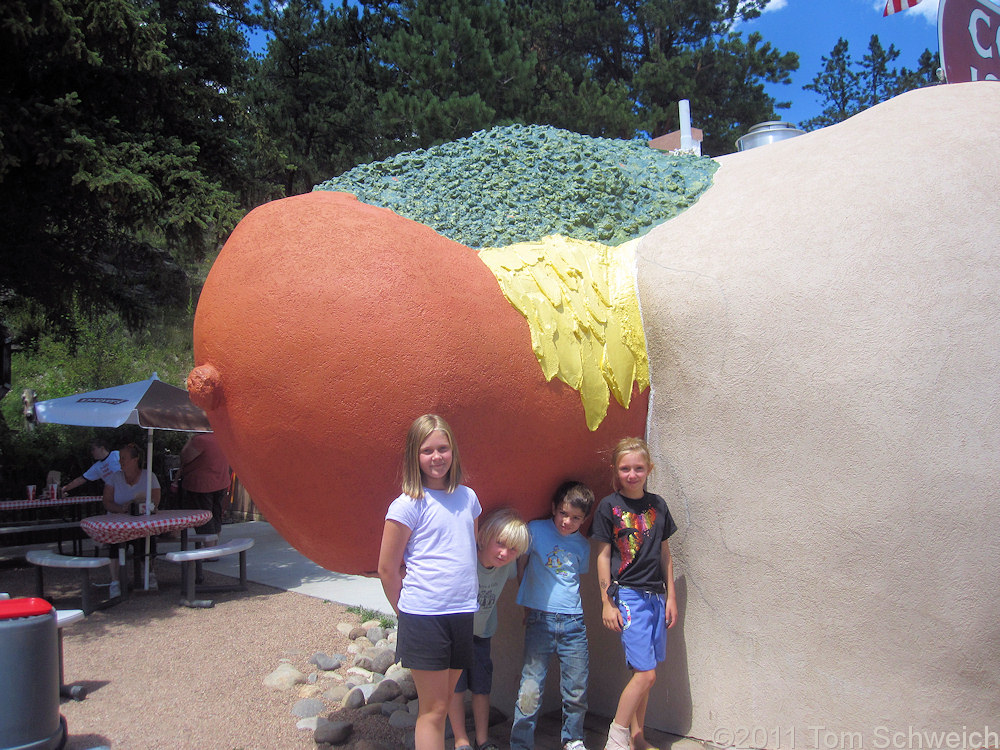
366 614
105 353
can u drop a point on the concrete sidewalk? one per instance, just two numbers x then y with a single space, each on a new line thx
274 562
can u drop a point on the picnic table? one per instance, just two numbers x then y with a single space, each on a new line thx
117 528
42 518
44 501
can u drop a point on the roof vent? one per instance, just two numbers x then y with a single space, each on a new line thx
767 132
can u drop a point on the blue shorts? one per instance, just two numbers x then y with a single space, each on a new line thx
479 677
644 628
434 642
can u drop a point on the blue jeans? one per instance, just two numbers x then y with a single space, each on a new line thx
565 636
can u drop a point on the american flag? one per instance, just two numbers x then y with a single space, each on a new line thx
894 6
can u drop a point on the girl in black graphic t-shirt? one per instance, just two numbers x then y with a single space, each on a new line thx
635 572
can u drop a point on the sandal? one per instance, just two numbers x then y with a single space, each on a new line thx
488 745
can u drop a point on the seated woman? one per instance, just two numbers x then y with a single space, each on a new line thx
128 485
121 490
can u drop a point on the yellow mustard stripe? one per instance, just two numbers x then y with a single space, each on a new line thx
580 301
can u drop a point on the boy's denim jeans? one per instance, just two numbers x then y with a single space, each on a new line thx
549 633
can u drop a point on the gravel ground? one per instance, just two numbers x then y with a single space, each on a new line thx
161 675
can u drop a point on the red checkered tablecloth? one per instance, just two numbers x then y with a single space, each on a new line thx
46 502
115 528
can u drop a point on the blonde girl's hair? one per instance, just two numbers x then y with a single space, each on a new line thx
628 445
420 430
506 527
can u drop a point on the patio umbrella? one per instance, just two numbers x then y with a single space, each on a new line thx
150 403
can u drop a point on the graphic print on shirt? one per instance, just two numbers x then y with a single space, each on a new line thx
560 562
631 533
487 598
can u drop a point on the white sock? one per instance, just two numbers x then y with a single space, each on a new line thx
618 737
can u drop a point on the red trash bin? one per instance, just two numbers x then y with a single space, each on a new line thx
29 676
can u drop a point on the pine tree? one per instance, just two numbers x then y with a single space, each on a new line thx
723 81
925 74
838 86
847 87
313 93
453 67
876 80
583 73
104 179
616 68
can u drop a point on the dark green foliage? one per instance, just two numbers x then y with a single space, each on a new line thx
876 81
723 79
925 74
105 353
313 93
846 87
613 69
837 86
583 72
452 67
519 183
107 147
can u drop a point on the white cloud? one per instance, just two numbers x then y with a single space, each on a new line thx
928 9
771 6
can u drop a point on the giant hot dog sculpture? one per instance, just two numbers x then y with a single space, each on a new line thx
823 333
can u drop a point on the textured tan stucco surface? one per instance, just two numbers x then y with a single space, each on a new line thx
824 338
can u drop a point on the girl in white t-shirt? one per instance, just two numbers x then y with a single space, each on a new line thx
427 565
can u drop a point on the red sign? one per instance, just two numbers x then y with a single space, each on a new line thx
969 35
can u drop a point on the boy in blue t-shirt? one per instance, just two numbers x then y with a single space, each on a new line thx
550 589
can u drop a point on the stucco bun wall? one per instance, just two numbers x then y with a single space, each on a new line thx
824 337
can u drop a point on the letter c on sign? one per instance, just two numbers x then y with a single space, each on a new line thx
976 16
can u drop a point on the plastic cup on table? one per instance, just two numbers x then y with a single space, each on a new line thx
31 492
54 490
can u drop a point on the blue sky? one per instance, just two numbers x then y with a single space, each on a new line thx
811 28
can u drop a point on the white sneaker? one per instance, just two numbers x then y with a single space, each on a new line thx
575 745
115 589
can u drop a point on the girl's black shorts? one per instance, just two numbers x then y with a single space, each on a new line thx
435 642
